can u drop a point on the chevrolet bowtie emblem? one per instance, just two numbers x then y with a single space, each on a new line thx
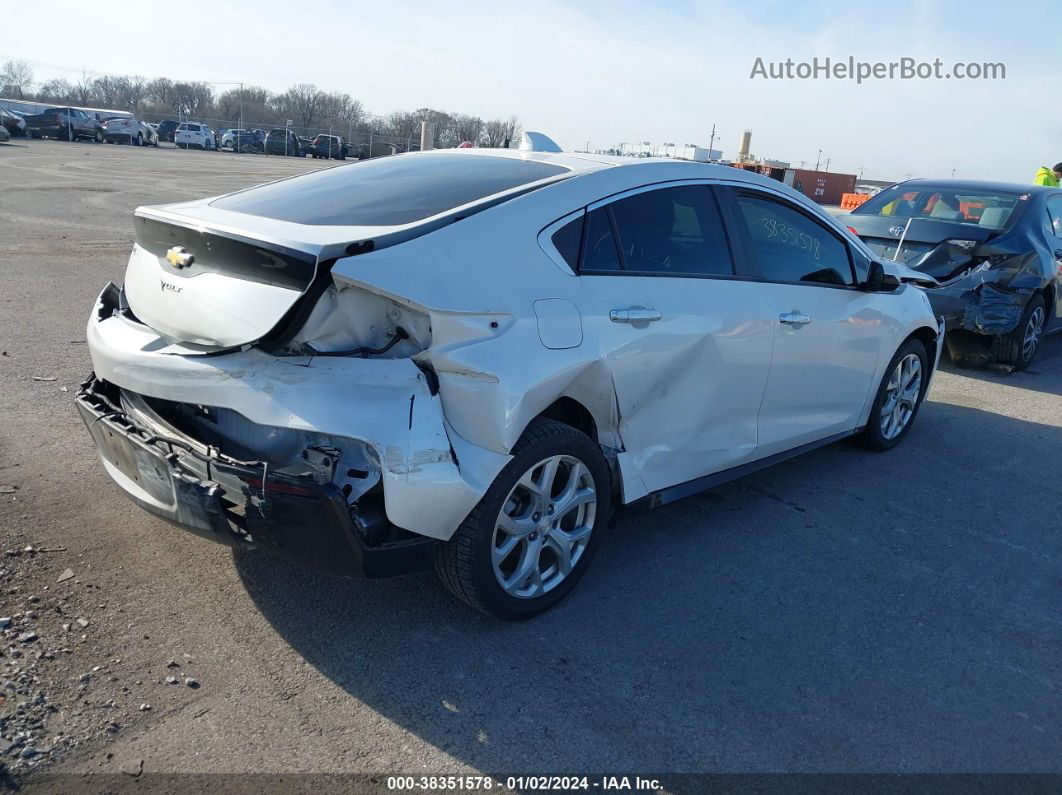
179 257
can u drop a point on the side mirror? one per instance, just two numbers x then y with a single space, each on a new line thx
878 281
875 277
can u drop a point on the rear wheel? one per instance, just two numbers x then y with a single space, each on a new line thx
99 137
1019 346
140 139
531 538
899 397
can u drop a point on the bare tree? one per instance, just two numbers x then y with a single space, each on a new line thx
16 77
501 132
467 128
58 90
192 99
339 112
404 125
303 102
443 123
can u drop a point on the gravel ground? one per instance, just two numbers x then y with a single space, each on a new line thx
844 611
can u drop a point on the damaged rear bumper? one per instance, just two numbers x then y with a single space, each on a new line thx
241 503
973 303
386 410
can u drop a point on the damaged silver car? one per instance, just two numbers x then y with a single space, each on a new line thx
476 359
995 250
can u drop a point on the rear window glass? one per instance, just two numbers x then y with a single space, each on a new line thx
387 191
989 209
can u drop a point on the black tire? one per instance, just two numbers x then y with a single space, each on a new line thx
872 437
1011 348
140 139
99 137
464 562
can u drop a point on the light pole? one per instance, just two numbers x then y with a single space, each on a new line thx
817 160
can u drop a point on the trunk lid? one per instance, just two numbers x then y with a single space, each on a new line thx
212 287
883 233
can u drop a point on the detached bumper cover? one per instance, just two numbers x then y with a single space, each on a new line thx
239 503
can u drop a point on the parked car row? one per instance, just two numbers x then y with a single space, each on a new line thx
69 123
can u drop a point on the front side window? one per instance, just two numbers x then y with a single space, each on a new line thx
791 247
674 231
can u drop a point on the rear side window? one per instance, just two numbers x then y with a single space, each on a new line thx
600 253
791 247
568 240
193 127
388 191
672 231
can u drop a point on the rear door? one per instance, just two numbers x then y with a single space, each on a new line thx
686 337
827 335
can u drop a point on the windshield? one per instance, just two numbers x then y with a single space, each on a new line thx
990 209
388 191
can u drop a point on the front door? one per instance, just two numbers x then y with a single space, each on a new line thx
827 335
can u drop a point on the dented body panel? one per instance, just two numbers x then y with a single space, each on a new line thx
406 362
986 274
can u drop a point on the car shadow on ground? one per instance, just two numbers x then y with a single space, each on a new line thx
1044 374
845 611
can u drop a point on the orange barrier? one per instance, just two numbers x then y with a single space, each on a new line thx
849 201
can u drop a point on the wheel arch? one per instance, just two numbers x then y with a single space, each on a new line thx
571 412
928 337
1048 292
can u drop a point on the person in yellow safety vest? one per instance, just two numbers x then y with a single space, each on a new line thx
1050 178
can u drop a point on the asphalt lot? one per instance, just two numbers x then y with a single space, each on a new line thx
845 611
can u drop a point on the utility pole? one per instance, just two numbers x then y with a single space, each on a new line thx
427 136
827 168
817 159
711 142
953 173
861 172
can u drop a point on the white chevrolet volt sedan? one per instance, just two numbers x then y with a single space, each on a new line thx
475 359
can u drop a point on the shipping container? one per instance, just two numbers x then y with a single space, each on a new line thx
824 187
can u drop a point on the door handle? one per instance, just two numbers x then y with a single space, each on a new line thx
794 319
633 315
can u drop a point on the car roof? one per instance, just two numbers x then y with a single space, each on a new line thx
975 185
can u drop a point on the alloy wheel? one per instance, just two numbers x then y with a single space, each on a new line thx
544 526
901 396
1033 329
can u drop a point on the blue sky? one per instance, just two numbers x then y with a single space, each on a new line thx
608 72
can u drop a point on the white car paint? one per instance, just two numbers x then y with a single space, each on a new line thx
129 130
194 135
716 382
